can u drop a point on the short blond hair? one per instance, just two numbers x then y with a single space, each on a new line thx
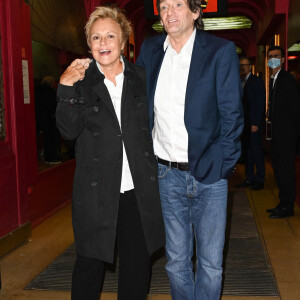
113 13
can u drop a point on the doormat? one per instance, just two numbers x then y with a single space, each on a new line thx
247 270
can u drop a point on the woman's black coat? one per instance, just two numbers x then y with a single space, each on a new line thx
85 112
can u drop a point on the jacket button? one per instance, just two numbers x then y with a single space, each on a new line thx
97 133
140 105
152 178
94 184
146 154
96 108
96 158
145 128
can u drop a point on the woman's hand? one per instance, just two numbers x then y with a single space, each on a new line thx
75 71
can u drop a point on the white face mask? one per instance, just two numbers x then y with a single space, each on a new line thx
274 63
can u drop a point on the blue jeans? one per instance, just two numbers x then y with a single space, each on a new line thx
193 211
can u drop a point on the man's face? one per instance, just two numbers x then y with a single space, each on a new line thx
276 54
177 18
245 67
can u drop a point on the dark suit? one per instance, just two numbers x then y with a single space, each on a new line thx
285 115
85 112
254 110
214 141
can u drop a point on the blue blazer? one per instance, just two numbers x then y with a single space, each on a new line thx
213 108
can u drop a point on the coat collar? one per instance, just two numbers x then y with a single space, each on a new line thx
198 57
94 76
96 79
197 60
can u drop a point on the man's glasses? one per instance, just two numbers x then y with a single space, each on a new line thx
274 56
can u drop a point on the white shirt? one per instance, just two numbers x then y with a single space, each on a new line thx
170 137
245 79
275 77
115 93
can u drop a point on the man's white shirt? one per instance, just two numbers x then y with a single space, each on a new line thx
170 137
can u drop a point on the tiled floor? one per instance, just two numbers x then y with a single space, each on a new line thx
51 238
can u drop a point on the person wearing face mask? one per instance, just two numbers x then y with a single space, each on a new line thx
283 115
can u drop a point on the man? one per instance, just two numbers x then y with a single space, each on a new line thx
196 118
284 115
254 110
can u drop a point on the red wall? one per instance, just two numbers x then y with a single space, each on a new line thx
52 191
25 195
17 150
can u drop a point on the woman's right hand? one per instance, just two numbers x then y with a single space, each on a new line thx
75 71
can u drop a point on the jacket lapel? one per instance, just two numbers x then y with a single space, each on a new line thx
198 58
96 78
157 58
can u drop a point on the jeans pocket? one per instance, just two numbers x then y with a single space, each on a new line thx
162 170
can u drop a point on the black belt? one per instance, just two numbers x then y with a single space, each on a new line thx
177 165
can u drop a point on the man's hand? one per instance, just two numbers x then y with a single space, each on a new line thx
75 71
254 128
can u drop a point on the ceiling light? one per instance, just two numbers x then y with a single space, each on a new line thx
238 22
294 48
238 50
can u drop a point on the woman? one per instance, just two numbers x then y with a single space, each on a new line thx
115 194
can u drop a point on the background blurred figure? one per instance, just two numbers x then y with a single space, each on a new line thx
284 115
254 112
45 98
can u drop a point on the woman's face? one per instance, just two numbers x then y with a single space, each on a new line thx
106 42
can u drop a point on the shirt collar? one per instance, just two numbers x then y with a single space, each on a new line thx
187 48
246 78
276 75
122 61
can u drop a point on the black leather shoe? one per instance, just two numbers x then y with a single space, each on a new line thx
257 186
272 210
243 184
282 213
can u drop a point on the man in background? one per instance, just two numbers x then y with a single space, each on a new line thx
254 113
284 116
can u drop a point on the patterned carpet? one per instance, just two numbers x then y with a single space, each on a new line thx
247 271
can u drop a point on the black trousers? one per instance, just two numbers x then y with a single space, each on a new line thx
283 155
254 157
134 259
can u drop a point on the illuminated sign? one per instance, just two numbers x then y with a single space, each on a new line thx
209 7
